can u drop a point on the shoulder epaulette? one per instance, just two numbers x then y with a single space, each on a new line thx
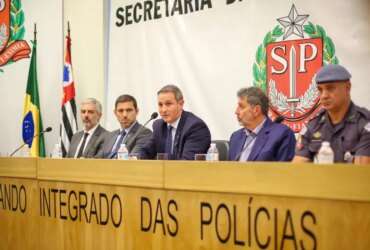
318 115
363 111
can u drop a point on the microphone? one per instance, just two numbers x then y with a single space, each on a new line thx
152 117
279 119
48 129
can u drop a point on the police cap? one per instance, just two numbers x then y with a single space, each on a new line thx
332 73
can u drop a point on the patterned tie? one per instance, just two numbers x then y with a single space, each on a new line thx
117 145
168 147
81 149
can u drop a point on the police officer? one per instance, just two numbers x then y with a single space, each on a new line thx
342 123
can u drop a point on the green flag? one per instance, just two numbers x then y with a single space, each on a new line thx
32 122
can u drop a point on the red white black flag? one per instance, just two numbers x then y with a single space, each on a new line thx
69 122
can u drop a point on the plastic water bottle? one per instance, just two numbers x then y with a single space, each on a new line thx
212 153
325 154
57 151
122 153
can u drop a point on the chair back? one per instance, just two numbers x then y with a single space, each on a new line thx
223 149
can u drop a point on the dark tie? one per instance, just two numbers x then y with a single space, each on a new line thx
168 147
118 144
81 150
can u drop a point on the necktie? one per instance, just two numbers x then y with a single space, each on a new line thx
246 150
118 144
168 146
81 149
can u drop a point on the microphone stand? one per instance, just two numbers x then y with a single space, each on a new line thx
152 117
21 146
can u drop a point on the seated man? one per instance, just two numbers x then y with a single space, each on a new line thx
179 133
341 123
131 133
260 139
86 143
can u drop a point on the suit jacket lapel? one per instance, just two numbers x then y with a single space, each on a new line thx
162 137
128 138
92 141
239 144
109 146
177 142
74 144
261 140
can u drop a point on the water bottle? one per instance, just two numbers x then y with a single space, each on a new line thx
122 153
57 151
212 153
325 154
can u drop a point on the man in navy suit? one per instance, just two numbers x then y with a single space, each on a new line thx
179 133
260 139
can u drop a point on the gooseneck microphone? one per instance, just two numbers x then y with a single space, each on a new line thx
48 129
152 117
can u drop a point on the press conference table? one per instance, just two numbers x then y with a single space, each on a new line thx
109 204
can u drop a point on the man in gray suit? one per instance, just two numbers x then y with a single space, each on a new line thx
131 133
87 143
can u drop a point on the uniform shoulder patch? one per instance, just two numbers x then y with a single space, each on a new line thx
364 112
318 115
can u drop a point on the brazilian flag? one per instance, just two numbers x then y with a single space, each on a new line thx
32 123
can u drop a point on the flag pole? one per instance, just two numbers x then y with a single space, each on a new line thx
68 125
68 29
35 33
68 37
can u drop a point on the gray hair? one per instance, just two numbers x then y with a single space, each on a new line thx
97 104
255 96
172 89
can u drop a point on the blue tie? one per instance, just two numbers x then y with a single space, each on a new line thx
118 144
246 150
168 146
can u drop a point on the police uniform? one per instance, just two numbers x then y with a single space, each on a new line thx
349 138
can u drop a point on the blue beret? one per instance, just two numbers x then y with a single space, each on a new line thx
332 73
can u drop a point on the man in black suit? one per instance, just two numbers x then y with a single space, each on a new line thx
131 133
179 133
87 143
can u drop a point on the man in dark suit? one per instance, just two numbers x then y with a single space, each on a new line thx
179 133
87 143
131 133
260 139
